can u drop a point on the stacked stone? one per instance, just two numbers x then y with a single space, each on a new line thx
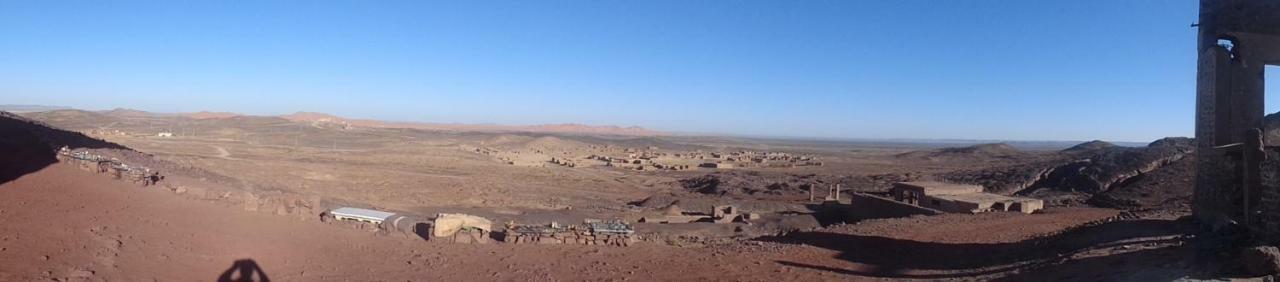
587 238
536 235
571 235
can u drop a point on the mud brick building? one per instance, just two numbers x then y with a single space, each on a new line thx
1238 173
960 198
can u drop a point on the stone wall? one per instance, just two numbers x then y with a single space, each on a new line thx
1236 39
1269 207
867 206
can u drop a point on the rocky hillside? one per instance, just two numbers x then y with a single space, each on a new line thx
27 145
1272 124
1088 147
975 152
1092 169
761 183
1167 187
748 183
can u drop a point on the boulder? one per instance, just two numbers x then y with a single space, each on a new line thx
1261 260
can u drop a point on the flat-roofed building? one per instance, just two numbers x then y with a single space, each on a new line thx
960 198
358 214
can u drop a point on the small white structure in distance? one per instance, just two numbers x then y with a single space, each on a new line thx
356 214
165 134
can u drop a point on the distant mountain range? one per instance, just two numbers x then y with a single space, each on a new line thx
556 128
29 108
328 119
574 128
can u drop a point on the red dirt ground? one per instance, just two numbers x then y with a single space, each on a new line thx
65 223
62 222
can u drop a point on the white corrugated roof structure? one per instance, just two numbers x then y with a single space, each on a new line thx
372 215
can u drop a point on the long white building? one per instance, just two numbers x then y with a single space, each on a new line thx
357 214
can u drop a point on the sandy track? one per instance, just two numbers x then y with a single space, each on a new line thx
223 153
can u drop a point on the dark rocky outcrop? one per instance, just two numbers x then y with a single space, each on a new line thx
748 183
1272 124
978 152
27 146
778 184
1105 175
1087 147
1261 261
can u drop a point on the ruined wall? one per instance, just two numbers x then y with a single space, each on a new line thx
954 206
1236 40
1269 204
867 206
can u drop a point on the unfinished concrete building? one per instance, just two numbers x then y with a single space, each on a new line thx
960 198
1236 175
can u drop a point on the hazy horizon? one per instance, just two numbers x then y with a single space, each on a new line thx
928 70
932 141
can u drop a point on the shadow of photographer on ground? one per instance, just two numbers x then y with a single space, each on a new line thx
244 270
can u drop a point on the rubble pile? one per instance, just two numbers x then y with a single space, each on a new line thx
114 167
591 232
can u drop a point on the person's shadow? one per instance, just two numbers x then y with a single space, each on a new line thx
243 271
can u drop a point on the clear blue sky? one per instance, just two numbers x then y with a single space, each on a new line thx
979 69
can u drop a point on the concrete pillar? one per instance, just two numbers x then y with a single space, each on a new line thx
811 192
1214 117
